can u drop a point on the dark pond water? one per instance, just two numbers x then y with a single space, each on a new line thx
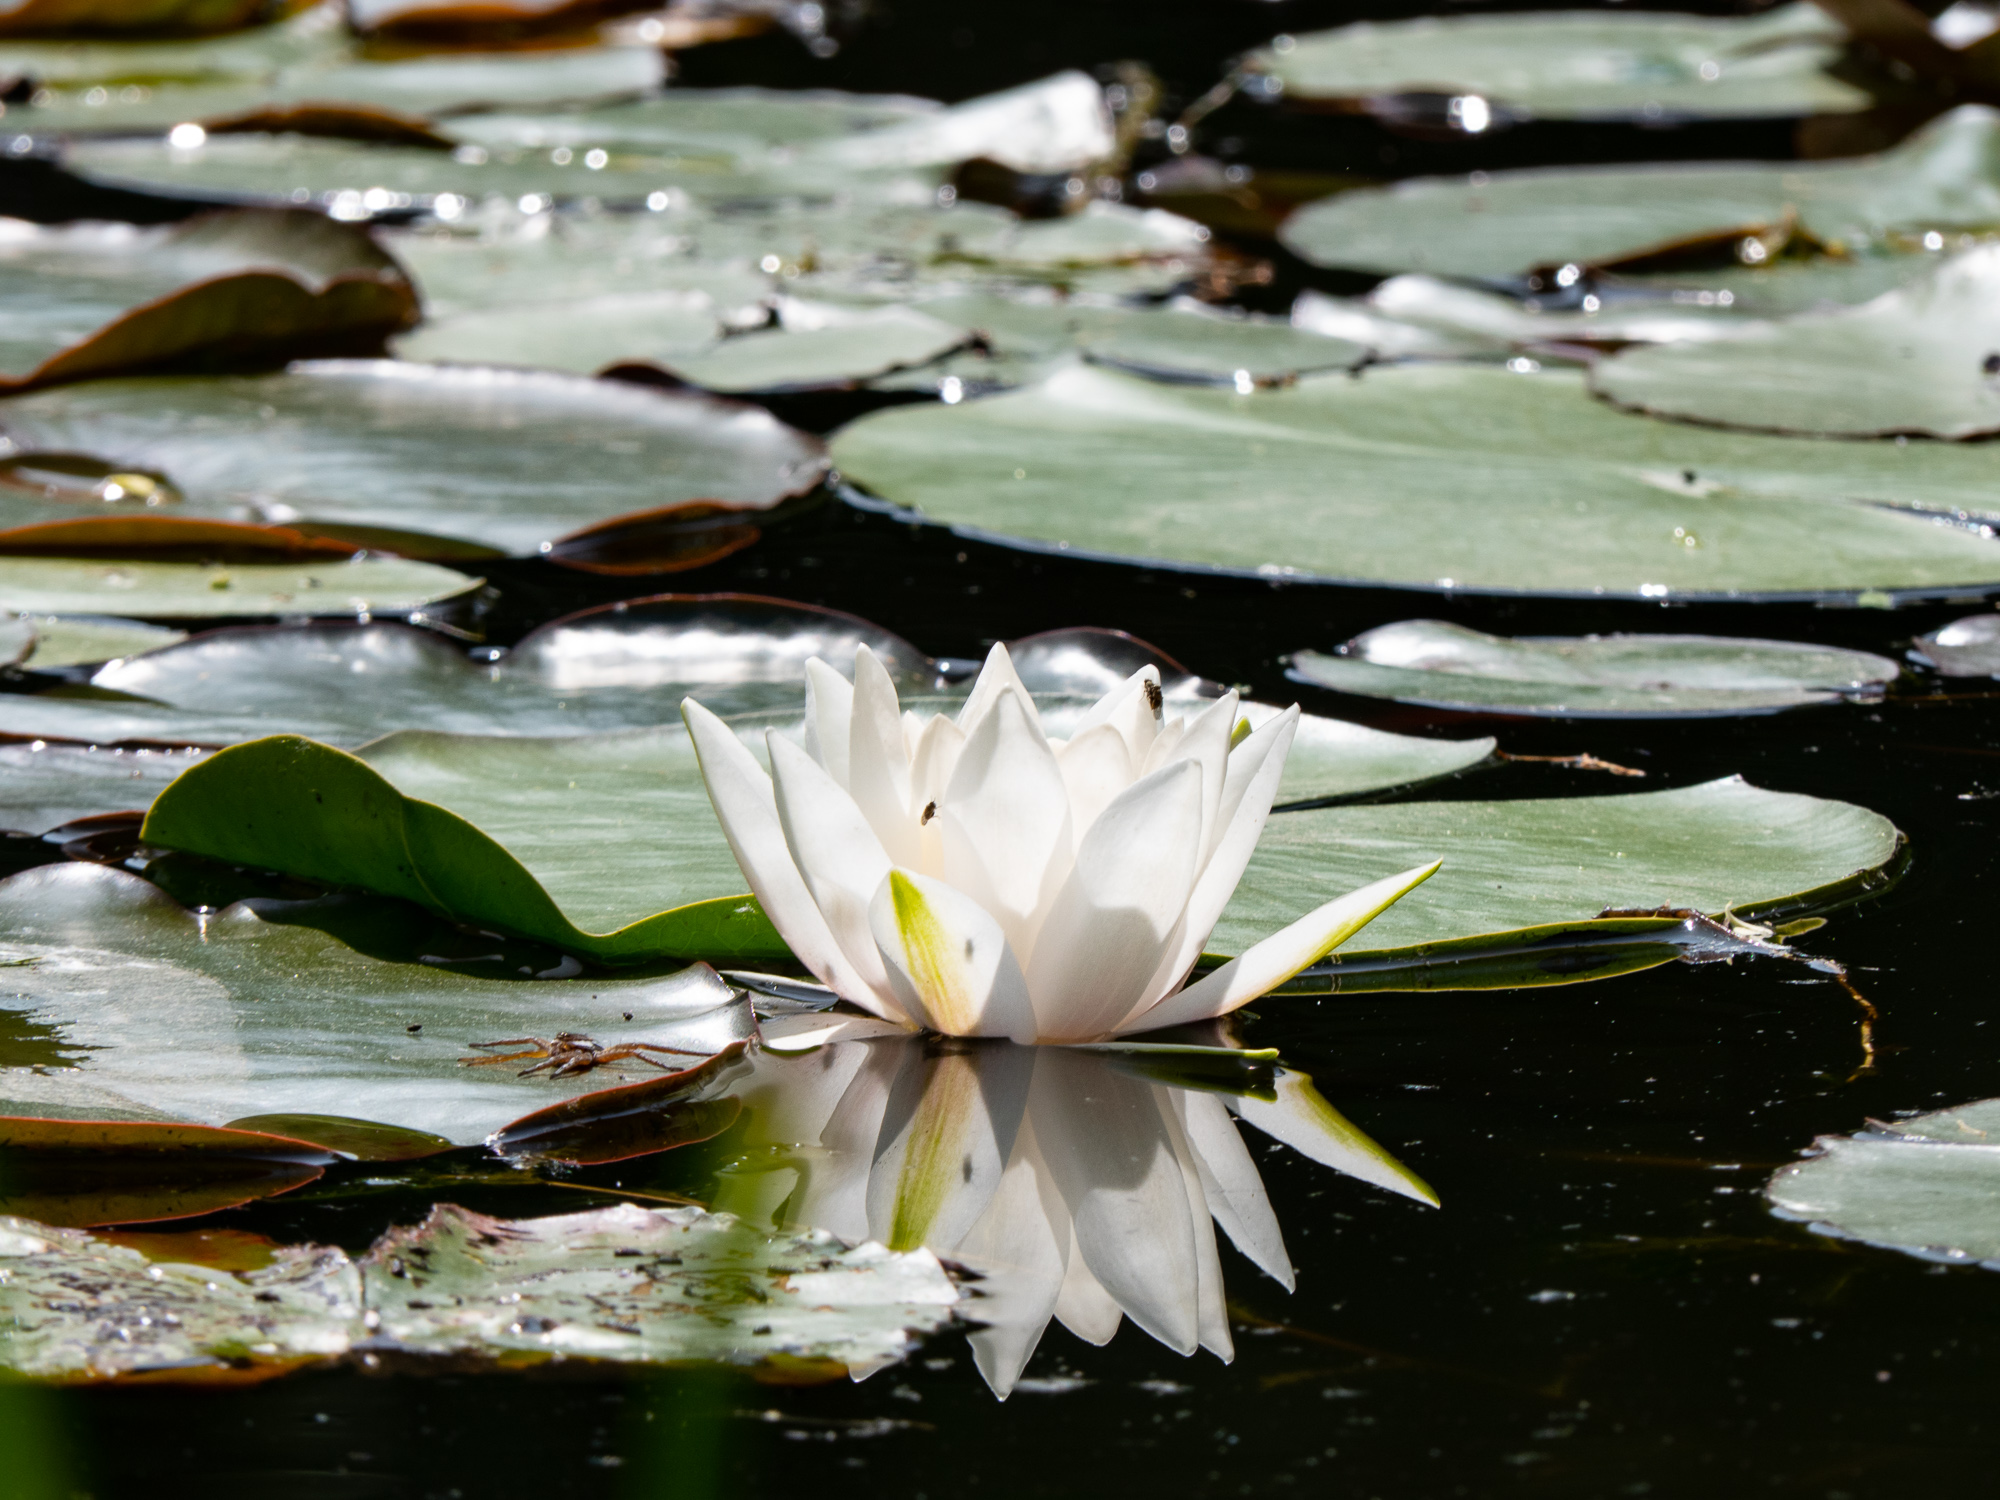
1603 1306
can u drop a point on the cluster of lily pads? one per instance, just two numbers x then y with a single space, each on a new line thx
291 837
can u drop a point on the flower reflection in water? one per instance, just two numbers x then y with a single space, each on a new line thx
1083 1184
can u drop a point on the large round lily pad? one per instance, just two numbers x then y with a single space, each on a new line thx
1923 359
1581 65
194 591
266 1008
1928 1186
1472 477
504 459
1946 176
1610 676
1521 870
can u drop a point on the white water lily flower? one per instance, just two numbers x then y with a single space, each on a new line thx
975 877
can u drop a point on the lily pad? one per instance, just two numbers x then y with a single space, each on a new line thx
344 89
504 459
1965 648
1056 124
96 299
653 1286
1581 65
1469 320
1609 676
1928 1186
43 786
1531 868
1923 360
1470 477
75 640
1508 223
33 17
194 591
265 1008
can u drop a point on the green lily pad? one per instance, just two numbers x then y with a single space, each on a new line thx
1610 676
818 346
335 80
43 785
194 591
35 17
1427 475
1942 178
1581 65
1468 320
1097 234
1923 359
731 121
313 34
274 1007
633 1285
1521 870
582 337
1928 1186
74 640
1965 648
504 459
1786 285
1055 124
96 299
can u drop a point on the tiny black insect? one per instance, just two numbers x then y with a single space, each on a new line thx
1154 697
930 811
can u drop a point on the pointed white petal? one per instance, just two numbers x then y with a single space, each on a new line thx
1163 744
1019 1245
1206 742
994 679
802 1033
838 854
1250 782
1004 819
1096 766
1105 932
829 710
1211 1308
878 767
1108 1152
745 805
946 1137
1281 955
947 959
1234 1191
931 765
1083 1306
1303 1120
1129 710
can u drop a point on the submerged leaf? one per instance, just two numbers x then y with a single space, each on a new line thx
1616 676
80 1172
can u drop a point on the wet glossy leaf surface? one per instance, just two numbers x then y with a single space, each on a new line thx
506 459
1427 661
623 1284
1515 222
193 591
1479 477
1581 64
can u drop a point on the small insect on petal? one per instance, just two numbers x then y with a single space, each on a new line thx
1155 699
930 811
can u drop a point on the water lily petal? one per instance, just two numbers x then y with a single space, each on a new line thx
1082 1304
1101 942
931 765
829 712
994 679
1230 1183
1281 955
1096 766
1004 819
834 1180
945 1141
878 765
1129 710
1019 1245
1303 1120
803 1033
1211 1307
947 959
841 859
1255 767
1205 741
1105 1144
745 805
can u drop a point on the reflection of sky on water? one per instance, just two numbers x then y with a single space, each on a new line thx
1083 1185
